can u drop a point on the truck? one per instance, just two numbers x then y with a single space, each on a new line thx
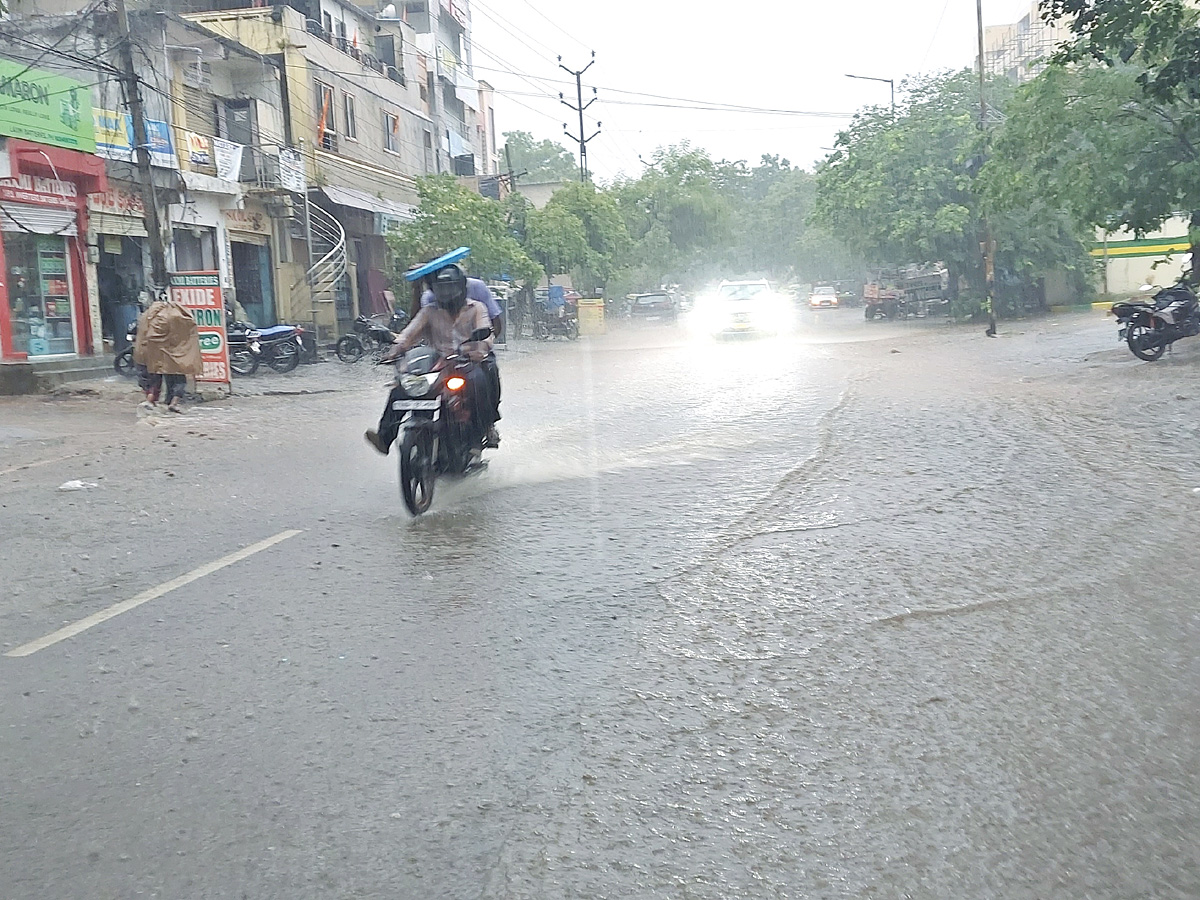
915 291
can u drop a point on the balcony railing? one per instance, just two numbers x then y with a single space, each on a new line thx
348 47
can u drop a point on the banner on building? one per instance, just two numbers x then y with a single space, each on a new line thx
229 158
200 293
114 139
39 191
291 171
46 108
199 149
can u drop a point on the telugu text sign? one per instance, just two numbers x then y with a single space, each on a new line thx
200 293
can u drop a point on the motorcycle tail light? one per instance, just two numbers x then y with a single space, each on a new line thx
456 383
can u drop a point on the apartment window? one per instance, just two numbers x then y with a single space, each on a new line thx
391 132
326 118
327 19
349 117
428 153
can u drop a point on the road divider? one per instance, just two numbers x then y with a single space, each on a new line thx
69 631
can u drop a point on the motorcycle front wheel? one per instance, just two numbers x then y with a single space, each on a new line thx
349 349
123 363
541 332
1141 340
572 331
416 471
243 362
285 358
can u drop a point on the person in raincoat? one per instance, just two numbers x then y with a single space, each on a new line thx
167 348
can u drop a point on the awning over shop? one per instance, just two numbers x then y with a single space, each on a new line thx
362 200
107 223
37 219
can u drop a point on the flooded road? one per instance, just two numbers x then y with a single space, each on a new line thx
869 611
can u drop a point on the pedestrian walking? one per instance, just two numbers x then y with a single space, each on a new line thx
167 349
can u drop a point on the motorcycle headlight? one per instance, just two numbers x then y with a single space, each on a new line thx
418 386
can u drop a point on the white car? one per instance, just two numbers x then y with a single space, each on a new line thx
742 307
823 297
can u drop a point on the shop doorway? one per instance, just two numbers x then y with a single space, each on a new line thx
195 249
252 284
120 280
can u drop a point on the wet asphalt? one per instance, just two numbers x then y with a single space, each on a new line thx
882 610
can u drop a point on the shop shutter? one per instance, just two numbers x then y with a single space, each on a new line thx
104 223
37 219
201 113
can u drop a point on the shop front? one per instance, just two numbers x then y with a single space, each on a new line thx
117 231
45 310
249 230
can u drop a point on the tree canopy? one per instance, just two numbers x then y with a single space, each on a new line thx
542 161
450 216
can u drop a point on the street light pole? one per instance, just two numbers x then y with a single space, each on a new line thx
888 81
988 246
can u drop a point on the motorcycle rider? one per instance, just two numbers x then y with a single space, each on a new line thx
478 290
447 325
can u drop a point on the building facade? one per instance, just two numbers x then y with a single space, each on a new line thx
1021 50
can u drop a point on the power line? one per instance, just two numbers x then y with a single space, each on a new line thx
555 25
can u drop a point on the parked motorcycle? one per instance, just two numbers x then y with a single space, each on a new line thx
1151 327
434 432
370 337
279 346
549 321
123 361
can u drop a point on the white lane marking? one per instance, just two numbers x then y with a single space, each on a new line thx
153 593
34 465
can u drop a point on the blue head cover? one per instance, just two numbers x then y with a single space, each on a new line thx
440 263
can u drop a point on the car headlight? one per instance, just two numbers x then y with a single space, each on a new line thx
418 386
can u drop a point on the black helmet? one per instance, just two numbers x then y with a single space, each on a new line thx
449 286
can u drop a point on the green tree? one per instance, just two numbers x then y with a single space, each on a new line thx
1160 36
607 237
543 161
557 239
901 188
451 216
678 217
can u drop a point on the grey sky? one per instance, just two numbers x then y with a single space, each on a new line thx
779 54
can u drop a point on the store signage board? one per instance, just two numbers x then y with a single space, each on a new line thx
114 139
200 293
39 191
46 108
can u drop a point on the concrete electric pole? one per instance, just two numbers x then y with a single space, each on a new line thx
133 96
579 107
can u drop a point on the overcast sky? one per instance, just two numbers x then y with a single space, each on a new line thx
777 54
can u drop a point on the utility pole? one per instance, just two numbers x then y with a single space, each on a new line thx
988 247
133 95
579 107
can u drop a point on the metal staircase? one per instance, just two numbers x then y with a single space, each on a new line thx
328 244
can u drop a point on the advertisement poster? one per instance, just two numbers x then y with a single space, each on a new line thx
46 108
199 149
229 159
200 292
114 139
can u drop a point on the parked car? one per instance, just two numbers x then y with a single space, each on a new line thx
823 297
654 306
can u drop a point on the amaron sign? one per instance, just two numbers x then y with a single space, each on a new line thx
200 293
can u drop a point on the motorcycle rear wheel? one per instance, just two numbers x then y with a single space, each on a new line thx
243 362
572 330
1136 337
416 472
123 363
349 349
285 358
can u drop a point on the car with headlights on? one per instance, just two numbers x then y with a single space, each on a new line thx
823 296
742 307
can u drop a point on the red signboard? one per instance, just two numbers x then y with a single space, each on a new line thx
39 191
200 292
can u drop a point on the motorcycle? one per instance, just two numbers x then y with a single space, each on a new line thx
370 336
549 321
1151 327
280 346
123 361
434 436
